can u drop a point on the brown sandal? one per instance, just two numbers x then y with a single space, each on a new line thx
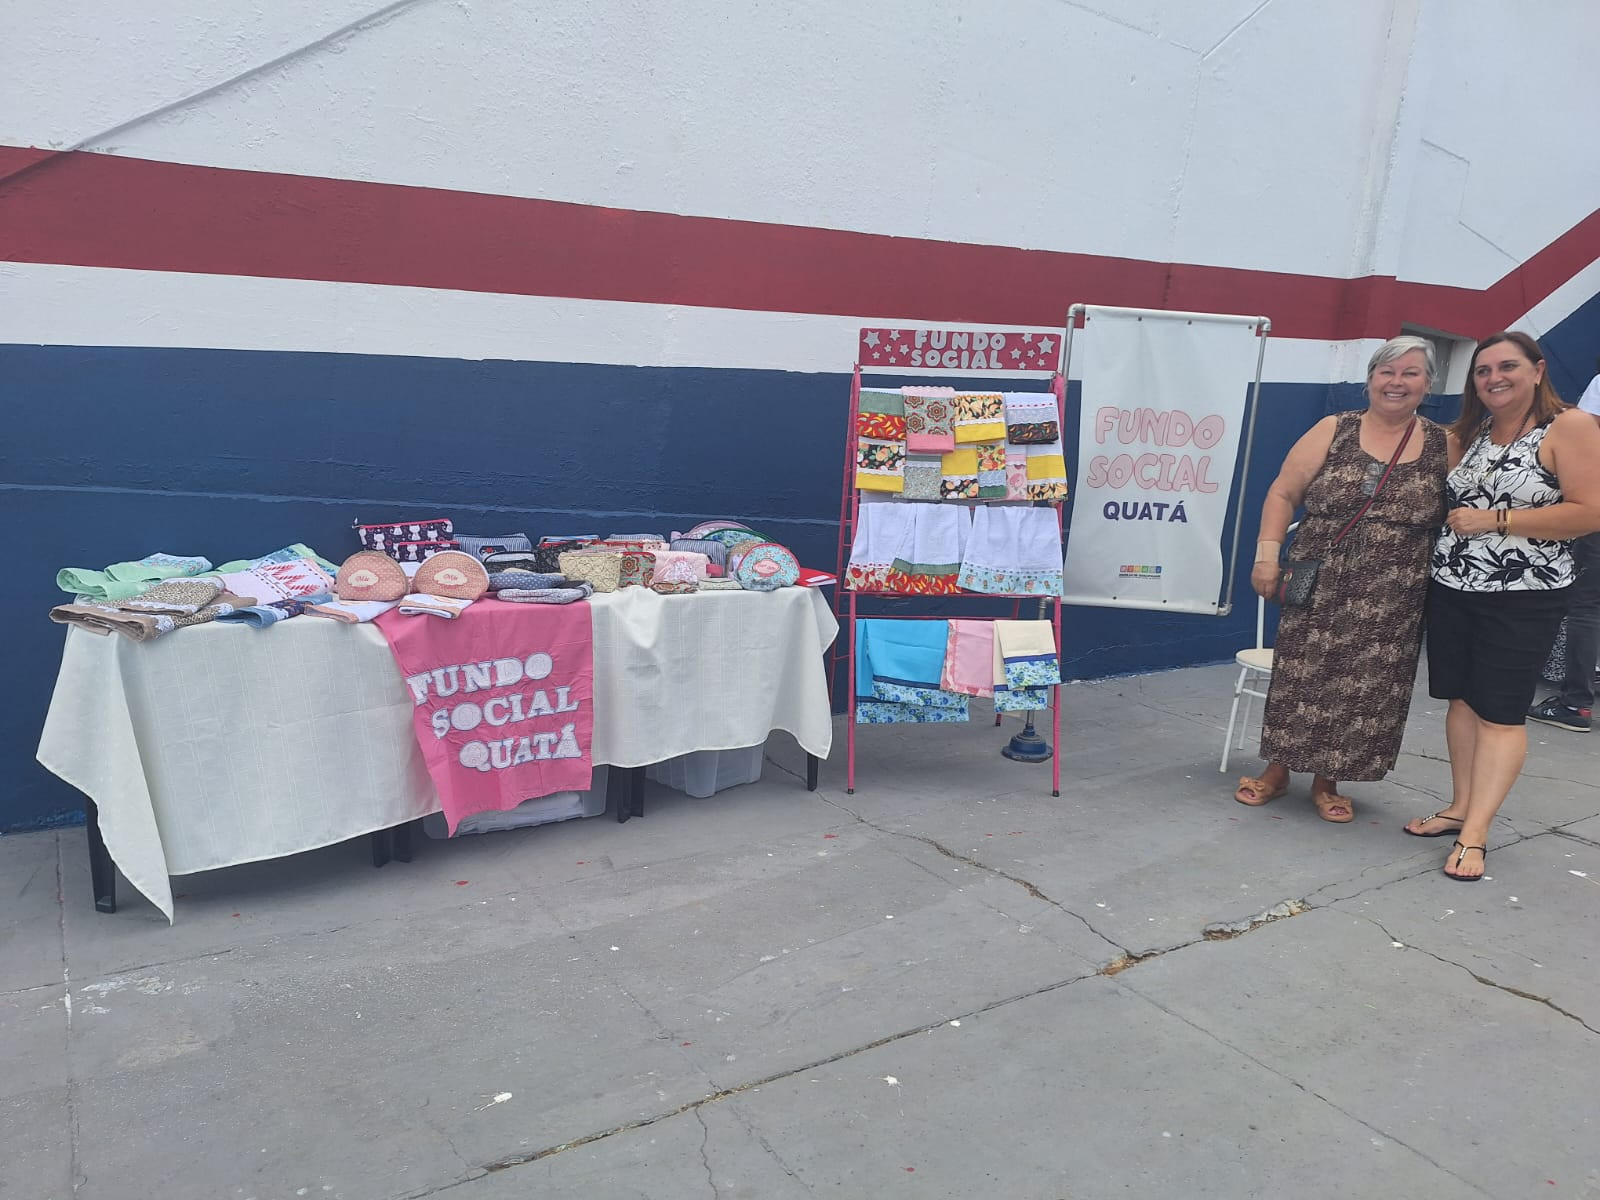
1327 801
1258 791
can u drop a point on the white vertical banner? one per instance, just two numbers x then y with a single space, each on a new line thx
1162 406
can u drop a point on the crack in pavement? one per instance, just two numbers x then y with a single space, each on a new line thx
1298 1086
519 1160
978 865
705 1161
1483 979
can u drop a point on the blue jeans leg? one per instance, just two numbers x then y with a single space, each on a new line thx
1583 624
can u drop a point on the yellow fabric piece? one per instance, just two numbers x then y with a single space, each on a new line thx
989 431
959 462
867 482
980 417
1043 467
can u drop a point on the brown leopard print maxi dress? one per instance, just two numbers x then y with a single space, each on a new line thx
1344 666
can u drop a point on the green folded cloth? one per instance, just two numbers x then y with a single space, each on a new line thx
889 403
125 580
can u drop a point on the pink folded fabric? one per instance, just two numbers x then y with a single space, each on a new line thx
930 419
969 659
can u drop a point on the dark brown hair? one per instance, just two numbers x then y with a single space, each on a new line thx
1546 402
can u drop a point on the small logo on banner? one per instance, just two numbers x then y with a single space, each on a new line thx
1139 571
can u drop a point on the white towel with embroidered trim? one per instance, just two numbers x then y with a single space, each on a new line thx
883 530
1013 551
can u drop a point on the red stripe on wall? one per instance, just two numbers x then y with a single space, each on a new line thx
105 211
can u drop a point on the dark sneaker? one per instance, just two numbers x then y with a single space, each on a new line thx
1553 712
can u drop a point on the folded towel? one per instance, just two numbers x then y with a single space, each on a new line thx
289 553
1016 472
882 531
969 659
1013 551
929 560
721 585
922 475
930 419
259 616
880 465
881 415
1025 665
880 712
103 619
429 604
991 470
1031 417
980 417
125 580
958 474
1047 472
898 665
175 597
351 612
280 579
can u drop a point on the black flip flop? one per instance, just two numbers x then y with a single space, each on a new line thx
1483 850
1438 816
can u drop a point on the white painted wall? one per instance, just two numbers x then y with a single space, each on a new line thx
1440 140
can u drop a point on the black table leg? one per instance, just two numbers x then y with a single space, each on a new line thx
402 841
812 763
102 871
382 847
636 791
619 789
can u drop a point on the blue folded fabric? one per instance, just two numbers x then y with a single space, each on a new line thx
259 616
908 653
898 665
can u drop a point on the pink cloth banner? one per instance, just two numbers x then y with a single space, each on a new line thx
504 701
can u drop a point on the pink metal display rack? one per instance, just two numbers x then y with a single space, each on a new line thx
939 355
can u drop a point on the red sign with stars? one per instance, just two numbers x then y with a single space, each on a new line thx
960 349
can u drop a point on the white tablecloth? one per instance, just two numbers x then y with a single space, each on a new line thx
222 744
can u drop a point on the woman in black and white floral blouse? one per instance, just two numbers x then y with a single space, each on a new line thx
1524 480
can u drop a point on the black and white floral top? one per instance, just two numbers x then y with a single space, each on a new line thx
1489 477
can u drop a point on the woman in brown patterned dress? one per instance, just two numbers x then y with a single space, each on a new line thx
1344 665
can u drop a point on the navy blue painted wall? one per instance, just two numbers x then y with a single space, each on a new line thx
112 453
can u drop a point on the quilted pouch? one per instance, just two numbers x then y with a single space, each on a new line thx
547 555
406 541
601 569
763 567
638 567
732 539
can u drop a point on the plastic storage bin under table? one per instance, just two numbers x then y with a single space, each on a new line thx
541 810
706 772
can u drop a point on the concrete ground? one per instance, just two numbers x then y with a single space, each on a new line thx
946 985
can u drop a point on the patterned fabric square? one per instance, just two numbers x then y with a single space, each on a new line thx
980 417
880 465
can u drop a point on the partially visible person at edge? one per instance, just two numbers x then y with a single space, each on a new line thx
1524 480
1344 666
1572 706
